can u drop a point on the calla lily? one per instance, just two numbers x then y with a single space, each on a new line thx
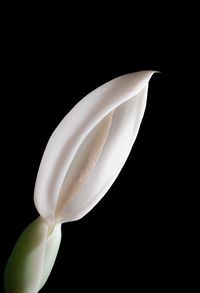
82 159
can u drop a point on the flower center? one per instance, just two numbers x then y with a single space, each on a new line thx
83 162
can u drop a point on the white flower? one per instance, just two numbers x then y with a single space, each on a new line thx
82 159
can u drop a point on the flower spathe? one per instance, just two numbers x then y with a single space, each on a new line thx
82 159
107 119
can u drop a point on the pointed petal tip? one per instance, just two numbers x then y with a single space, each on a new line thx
157 71
143 75
148 73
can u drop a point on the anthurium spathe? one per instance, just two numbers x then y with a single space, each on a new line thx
81 161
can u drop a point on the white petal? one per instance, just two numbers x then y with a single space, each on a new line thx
125 97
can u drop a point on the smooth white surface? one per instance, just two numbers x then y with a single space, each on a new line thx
57 196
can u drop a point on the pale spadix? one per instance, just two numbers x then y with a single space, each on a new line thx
81 161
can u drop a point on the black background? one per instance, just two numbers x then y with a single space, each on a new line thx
130 238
